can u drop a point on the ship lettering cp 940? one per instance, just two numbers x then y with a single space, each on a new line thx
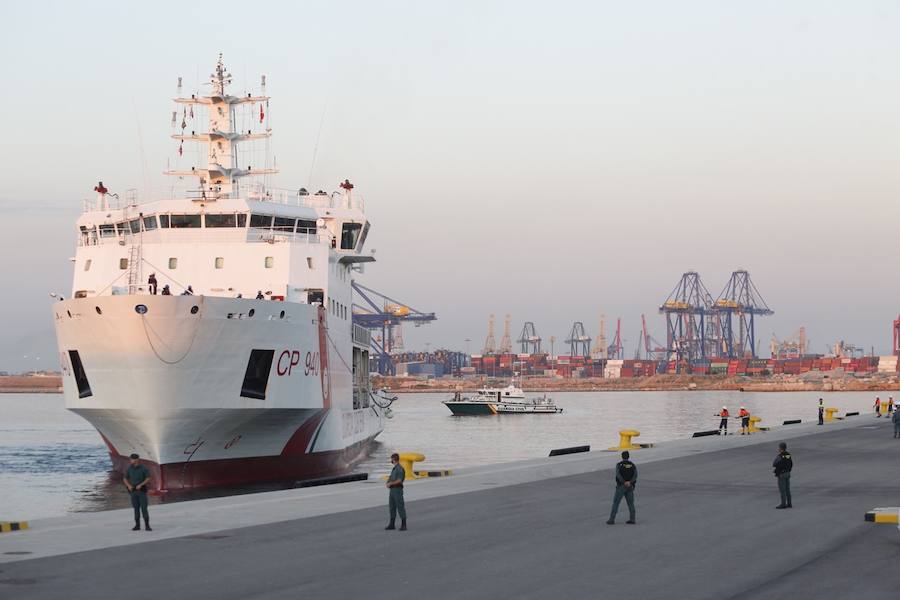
288 359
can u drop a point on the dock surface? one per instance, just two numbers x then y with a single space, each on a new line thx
707 528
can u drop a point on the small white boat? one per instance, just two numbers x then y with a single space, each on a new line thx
493 401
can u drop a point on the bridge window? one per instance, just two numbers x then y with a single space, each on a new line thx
123 263
220 262
164 221
242 220
184 221
221 221
304 226
123 227
350 235
264 221
173 263
107 230
270 262
284 224
150 223
135 225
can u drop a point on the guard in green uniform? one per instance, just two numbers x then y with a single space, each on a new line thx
395 493
137 479
626 478
783 464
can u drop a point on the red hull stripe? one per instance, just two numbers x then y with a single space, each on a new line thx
258 469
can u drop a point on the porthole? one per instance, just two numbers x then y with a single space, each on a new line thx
141 309
99 312
281 316
251 313
195 309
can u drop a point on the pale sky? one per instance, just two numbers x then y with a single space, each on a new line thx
547 160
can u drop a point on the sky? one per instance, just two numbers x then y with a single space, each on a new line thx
547 160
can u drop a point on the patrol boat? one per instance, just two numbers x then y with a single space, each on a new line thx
493 401
210 329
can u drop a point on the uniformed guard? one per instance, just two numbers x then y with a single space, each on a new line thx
895 418
137 479
395 493
783 464
626 479
821 412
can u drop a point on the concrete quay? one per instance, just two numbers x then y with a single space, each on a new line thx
707 528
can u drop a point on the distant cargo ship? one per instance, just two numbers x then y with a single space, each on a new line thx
211 332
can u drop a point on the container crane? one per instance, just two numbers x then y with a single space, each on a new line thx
378 312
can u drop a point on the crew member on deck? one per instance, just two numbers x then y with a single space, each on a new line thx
166 291
260 296
151 281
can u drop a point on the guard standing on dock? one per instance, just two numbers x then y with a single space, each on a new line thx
745 421
395 493
626 478
895 419
723 422
137 478
783 465
890 405
821 412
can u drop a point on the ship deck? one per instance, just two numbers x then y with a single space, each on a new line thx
532 529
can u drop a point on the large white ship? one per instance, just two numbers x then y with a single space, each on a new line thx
241 363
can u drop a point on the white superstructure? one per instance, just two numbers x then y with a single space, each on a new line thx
257 372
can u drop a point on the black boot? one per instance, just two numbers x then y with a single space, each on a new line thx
137 526
403 525
390 526
147 526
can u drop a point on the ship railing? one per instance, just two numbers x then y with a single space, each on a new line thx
301 198
237 234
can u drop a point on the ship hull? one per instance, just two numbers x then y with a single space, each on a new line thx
471 408
175 381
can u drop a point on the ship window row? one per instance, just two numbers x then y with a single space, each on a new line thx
197 221
218 263
337 309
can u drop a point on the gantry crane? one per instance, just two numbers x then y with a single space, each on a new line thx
377 312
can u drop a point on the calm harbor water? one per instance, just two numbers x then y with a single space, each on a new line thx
52 462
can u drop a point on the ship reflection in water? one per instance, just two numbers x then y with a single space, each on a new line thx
52 462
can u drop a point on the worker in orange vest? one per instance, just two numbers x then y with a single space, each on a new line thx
723 423
745 421
877 407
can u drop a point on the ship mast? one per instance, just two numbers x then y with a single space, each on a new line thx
219 178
